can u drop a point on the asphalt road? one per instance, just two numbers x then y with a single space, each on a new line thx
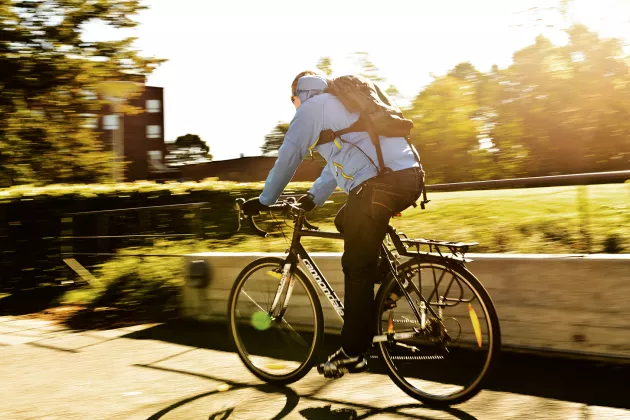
189 371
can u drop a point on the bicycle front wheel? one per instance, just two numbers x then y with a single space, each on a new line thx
446 352
279 349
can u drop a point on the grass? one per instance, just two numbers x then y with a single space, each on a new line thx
563 220
572 219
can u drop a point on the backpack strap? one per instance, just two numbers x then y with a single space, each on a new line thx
377 145
362 124
327 136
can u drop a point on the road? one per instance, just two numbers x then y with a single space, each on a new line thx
188 371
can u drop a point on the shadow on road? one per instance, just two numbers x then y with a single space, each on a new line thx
292 399
30 301
581 381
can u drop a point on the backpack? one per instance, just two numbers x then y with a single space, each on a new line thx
378 116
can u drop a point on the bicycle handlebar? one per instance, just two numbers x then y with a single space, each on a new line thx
288 205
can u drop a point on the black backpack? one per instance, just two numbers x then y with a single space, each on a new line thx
378 116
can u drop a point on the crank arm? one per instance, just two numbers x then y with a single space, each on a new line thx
412 348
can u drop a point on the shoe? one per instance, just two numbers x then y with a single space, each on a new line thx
339 363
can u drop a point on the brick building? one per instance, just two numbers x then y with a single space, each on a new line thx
143 135
143 148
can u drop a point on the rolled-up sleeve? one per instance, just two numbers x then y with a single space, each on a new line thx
302 135
323 187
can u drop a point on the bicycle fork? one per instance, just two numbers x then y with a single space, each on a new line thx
277 310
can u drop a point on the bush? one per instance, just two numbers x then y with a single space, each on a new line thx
613 244
130 289
32 219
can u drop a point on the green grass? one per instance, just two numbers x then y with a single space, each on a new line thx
572 219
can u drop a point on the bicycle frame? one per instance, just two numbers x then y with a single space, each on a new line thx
297 253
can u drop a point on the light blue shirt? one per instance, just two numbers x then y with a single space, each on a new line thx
347 162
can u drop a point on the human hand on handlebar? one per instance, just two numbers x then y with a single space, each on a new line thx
253 206
306 202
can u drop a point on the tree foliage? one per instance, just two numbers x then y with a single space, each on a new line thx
48 80
274 139
186 150
555 110
325 66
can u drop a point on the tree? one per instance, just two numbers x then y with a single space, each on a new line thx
187 150
367 68
555 110
445 132
325 66
568 104
274 139
48 78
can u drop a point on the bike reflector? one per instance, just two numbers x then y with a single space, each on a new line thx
276 366
274 274
475 323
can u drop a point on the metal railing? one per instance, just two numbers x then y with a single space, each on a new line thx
68 239
539 181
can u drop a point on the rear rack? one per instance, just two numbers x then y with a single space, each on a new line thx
456 249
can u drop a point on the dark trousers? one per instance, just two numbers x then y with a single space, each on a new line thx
363 220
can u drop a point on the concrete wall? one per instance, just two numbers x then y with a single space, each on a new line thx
547 302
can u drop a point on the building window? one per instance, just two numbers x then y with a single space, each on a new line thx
110 122
154 131
155 155
153 105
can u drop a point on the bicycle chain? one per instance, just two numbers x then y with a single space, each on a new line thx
432 357
405 321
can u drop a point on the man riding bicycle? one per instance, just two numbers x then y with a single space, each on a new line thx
373 198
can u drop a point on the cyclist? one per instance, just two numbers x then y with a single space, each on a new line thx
372 200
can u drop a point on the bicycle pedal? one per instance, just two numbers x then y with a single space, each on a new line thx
331 371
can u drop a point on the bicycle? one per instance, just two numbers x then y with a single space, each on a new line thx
426 350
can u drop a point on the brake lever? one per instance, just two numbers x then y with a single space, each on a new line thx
238 206
242 216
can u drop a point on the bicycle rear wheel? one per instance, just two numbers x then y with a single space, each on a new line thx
445 361
278 350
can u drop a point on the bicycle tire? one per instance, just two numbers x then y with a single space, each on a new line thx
318 327
493 326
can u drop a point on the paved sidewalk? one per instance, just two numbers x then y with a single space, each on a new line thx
49 372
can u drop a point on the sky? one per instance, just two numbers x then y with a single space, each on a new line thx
231 63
